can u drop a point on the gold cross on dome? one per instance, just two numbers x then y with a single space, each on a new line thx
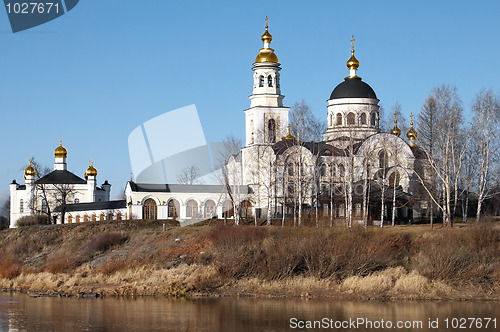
266 21
352 42
411 117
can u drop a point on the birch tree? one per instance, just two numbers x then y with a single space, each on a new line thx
444 147
231 175
486 112
305 127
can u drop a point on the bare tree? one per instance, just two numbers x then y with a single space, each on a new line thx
447 154
62 195
348 177
304 125
189 175
231 172
427 122
41 191
486 112
5 214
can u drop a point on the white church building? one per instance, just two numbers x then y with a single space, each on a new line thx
351 171
83 199
275 171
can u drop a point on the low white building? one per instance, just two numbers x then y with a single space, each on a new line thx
186 203
38 194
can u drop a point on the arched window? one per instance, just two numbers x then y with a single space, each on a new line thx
209 209
119 216
77 201
85 218
351 119
110 216
330 120
150 209
332 171
339 119
322 170
101 217
382 159
341 170
93 218
394 179
227 210
21 206
45 208
363 119
70 219
270 81
77 219
261 81
192 209
271 126
173 209
374 117
290 169
246 209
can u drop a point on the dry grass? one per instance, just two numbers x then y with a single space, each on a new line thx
178 281
397 283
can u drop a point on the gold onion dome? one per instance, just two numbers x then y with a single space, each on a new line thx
288 136
29 171
60 151
352 63
266 37
396 131
266 54
412 133
91 171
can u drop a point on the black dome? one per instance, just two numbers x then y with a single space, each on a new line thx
353 87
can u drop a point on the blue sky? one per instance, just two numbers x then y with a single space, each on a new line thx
107 66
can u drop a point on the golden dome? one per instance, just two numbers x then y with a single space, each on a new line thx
288 136
412 133
60 151
91 171
266 54
29 171
352 63
266 37
396 131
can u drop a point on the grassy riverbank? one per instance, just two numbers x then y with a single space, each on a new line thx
139 258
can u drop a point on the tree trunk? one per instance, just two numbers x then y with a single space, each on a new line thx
394 203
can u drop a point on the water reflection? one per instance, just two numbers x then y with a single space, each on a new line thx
22 313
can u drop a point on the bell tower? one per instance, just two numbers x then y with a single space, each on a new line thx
266 120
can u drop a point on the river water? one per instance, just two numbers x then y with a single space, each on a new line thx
23 313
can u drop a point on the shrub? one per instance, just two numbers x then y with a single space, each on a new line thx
460 256
37 219
60 261
9 268
105 241
113 265
273 254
